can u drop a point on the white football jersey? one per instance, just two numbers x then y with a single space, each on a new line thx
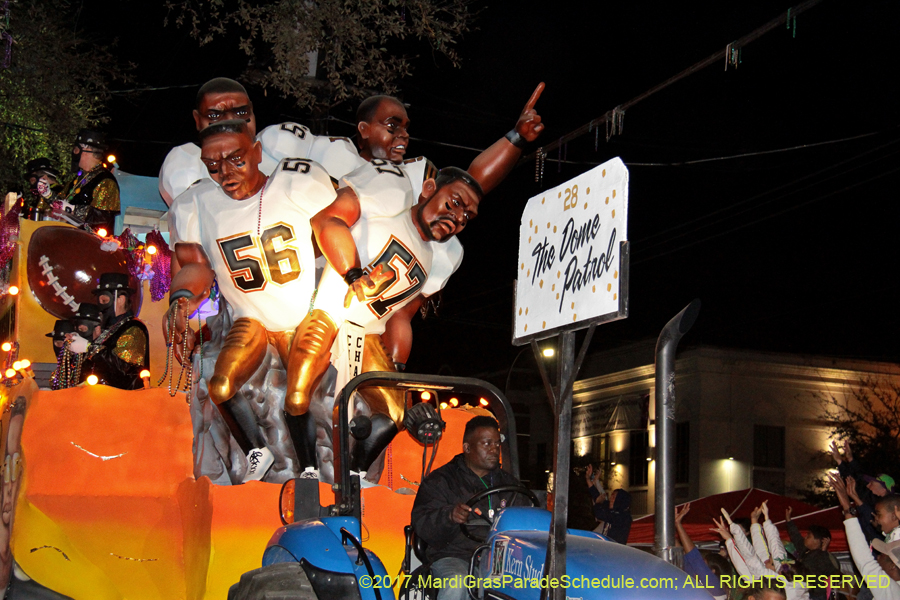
391 240
269 274
384 201
183 167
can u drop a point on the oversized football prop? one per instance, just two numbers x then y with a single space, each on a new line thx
64 266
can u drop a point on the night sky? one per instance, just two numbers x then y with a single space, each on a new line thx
788 251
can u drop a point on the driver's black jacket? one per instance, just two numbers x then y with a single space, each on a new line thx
443 489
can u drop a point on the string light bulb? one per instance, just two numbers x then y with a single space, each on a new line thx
102 232
111 158
426 396
13 290
10 373
454 402
151 249
92 379
483 401
6 347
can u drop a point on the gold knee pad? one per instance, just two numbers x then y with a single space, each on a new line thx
242 353
308 360
386 401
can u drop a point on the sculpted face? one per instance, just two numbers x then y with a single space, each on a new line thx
443 213
222 106
232 160
482 451
385 136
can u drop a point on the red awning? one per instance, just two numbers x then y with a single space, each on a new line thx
740 504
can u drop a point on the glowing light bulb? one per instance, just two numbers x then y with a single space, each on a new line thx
454 402
548 352
10 373
92 380
102 232
24 363
483 401
426 396
151 250
17 365
6 347
443 406
145 374
111 158
13 290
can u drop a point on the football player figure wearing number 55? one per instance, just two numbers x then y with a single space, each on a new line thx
252 234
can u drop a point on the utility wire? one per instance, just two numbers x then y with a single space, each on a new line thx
747 154
619 110
829 169
769 216
154 89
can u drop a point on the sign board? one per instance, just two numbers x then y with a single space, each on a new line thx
573 255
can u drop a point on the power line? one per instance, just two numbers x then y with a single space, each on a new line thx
614 117
747 154
769 216
154 89
829 169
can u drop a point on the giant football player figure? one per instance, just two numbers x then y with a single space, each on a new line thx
390 261
252 233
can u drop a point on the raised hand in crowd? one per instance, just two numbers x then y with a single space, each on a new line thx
837 484
754 516
727 516
764 507
836 453
851 491
721 528
848 453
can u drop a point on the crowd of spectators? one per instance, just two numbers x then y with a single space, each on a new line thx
754 562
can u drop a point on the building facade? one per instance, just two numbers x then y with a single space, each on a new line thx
743 419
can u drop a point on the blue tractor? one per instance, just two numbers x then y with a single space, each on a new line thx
319 555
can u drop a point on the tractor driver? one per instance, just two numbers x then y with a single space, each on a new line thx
440 506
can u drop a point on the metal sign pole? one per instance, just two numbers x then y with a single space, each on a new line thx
562 438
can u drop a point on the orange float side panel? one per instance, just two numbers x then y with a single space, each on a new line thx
106 505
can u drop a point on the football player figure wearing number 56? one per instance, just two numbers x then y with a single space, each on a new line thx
252 234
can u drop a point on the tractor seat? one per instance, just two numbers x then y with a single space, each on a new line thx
418 545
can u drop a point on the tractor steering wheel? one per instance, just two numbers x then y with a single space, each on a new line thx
513 490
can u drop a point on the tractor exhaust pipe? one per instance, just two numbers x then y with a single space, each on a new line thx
664 540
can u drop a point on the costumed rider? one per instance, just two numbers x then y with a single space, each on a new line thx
85 328
440 506
122 350
94 192
252 234
61 330
222 99
43 185
383 250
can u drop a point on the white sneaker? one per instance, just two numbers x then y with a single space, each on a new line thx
259 461
309 473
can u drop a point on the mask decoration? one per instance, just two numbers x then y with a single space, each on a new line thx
43 188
